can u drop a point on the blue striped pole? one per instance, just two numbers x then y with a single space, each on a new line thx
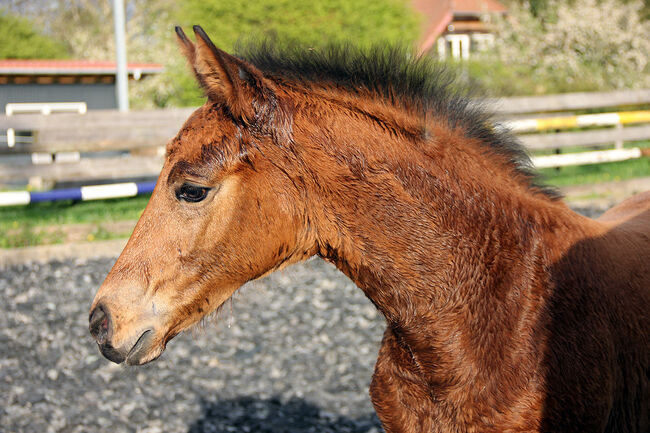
84 193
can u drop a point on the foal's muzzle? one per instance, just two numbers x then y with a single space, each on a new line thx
101 328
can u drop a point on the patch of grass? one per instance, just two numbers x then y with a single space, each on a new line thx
589 196
101 233
69 212
22 226
25 235
597 173
499 79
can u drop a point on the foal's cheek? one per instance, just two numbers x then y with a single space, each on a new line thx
206 228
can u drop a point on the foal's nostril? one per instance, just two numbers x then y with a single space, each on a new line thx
99 325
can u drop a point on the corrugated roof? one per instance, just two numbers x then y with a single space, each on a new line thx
72 67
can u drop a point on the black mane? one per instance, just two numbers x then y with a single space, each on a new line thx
397 74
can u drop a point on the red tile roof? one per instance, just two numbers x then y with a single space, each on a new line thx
477 6
439 13
74 67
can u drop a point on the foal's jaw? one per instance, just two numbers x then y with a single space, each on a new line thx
137 331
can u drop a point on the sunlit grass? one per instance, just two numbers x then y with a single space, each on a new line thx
22 226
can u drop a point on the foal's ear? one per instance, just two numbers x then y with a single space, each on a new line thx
223 77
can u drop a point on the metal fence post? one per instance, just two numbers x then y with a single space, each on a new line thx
121 77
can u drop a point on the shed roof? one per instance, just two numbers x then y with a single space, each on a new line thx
72 67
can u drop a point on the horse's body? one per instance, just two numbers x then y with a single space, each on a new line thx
568 351
505 310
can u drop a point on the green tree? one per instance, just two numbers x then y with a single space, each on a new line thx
20 40
315 23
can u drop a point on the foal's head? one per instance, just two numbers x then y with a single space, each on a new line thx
221 214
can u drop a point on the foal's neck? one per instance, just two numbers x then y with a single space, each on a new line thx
443 240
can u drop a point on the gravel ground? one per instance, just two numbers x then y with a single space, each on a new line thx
295 356
298 357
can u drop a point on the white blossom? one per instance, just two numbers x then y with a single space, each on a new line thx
604 42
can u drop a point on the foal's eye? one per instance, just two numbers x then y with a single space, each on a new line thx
191 193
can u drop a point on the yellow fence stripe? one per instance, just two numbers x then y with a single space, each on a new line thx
557 122
634 116
563 122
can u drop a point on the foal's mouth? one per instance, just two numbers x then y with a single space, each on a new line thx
140 353
140 349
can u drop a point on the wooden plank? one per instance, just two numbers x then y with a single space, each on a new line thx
568 101
100 139
584 138
112 130
85 169
93 118
510 105
96 130
85 143
95 139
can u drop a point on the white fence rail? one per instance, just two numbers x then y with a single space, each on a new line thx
583 158
45 108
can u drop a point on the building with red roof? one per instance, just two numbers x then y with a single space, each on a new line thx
41 81
453 28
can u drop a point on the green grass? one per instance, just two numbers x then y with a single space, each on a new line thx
68 212
597 173
22 226
25 234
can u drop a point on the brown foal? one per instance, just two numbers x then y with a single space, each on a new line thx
505 310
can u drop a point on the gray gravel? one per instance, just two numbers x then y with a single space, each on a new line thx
296 356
